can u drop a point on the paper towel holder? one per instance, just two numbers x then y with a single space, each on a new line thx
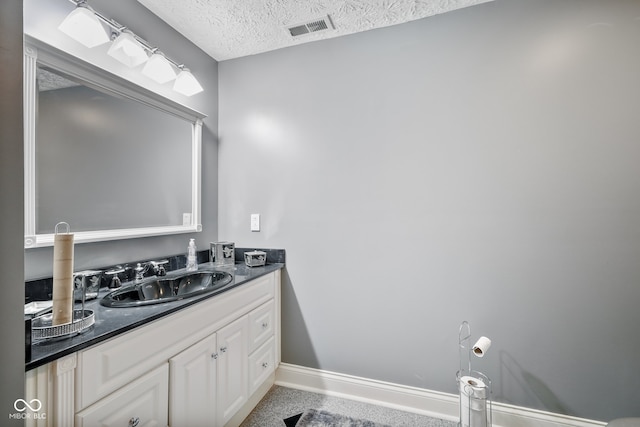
42 327
475 396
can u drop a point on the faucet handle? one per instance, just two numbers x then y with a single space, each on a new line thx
115 280
159 267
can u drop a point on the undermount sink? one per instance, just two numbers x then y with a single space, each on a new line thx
156 290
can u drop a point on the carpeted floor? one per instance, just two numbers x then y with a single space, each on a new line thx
282 403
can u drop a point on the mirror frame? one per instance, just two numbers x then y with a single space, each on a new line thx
37 52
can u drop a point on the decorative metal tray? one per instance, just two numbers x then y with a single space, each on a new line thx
42 327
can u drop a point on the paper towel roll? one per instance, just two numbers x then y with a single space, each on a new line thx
473 402
62 279
481 346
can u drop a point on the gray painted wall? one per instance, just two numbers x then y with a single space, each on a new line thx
41 21
11 209
479 165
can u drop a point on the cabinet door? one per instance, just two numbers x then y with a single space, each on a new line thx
142 403
192 385
233 363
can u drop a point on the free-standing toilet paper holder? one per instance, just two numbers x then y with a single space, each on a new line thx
474 386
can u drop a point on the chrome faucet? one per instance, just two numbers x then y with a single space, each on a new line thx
140 269
157 267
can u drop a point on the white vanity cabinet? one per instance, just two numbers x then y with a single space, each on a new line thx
208 364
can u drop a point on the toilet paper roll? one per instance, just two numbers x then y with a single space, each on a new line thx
481 346
62 279
473 387
473 402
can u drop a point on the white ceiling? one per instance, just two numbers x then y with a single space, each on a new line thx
227 29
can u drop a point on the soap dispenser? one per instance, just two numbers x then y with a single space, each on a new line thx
192 261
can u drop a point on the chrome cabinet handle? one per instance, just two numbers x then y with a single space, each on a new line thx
265 325
214 356
134 421
223 349
265 364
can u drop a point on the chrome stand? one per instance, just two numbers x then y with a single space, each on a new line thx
474 387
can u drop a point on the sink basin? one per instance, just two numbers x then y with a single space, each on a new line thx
156 290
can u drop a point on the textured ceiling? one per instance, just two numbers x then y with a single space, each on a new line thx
228 29
50 81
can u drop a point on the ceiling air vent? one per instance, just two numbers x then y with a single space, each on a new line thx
321 24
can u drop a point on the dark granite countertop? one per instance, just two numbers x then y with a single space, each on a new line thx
110 322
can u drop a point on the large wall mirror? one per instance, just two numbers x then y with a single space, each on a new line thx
111 159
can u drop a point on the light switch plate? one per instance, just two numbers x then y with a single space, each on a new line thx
255 222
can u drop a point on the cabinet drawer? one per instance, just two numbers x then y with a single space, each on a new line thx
261 324
144 401
261 364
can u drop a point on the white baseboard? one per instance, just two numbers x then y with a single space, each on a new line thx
412 399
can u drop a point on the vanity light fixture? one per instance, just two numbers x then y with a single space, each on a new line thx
87 26
158 68
127 49
83 25
186 83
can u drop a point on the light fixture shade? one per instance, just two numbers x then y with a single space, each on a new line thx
158 68
186 83
83 26
128 50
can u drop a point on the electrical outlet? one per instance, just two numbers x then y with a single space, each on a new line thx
186 219
255 222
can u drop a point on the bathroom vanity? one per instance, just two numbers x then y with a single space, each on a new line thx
207 362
